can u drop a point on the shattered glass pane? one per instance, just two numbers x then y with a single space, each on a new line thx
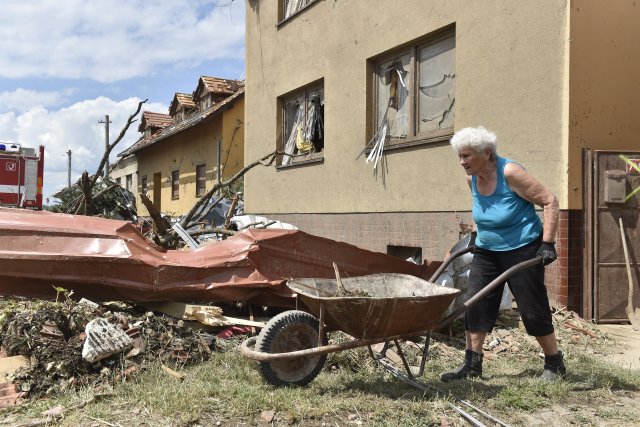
293 6
314 122
293 112
394 78
436 97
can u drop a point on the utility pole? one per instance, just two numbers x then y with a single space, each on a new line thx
69 169
106 143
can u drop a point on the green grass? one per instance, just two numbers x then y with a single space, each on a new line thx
353 389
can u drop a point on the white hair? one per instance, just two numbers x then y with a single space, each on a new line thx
478 139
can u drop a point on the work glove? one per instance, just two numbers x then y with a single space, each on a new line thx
548 252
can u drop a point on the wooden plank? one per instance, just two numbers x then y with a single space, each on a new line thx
205 314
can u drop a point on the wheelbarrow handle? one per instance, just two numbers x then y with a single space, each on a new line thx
484 291
448 261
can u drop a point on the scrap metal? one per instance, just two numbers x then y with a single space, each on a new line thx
105 260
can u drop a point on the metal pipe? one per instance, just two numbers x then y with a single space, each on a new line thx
448 261
484 291
331 348
69 169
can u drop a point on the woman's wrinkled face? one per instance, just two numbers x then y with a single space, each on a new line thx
472 161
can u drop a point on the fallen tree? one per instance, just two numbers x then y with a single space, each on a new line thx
95 194
195 220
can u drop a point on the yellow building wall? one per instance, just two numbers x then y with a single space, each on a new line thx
187 149
510 77
604 82
233 139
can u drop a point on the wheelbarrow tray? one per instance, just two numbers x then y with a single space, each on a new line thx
377 305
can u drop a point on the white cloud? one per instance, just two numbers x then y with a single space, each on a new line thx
21 100
115 40
74 128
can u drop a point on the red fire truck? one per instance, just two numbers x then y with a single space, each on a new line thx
21 172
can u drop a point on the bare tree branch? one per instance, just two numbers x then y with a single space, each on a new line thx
87 199
230 211
106 190
87 186
213 230
266 160
162 225
130 120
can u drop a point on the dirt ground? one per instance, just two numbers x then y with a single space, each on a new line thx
629 354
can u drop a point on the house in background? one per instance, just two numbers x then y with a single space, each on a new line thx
182 154
557 80
125 173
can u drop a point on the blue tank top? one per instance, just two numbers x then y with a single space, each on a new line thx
504 220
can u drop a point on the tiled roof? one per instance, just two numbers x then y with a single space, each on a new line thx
154 120
184 99
216 86
190 122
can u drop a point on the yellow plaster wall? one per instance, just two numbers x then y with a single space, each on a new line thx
187 149
604 82
510 77
233 139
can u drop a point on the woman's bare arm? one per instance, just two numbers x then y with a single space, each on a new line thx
529 188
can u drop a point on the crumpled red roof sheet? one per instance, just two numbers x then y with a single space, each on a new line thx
104 260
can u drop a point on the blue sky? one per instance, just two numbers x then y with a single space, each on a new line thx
64 65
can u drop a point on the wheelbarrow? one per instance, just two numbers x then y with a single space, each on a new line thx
380 308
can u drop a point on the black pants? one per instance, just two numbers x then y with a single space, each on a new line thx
527 287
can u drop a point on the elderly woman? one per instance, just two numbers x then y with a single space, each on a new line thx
508 231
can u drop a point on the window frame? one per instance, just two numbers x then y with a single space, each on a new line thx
303 93
129 182
175 184
413 49
201 190
281 10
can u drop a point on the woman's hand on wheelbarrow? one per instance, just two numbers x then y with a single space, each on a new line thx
548 253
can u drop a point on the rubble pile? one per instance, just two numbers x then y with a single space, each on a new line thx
53 337
509 337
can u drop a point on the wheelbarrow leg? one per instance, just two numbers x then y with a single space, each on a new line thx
403 357
425 355
383 355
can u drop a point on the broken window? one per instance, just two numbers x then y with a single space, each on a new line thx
129 182
415 92
291 7
201 179
205 102
175 184
303 125
144 184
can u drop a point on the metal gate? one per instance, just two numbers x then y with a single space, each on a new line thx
613 194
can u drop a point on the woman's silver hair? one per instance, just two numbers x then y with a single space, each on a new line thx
478 139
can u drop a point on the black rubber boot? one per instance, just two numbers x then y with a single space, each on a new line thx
472 367
554 368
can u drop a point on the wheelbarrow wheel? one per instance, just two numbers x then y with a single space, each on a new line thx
291 331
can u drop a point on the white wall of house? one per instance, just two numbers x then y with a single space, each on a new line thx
123 168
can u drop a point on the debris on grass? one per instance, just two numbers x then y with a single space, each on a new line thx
52 336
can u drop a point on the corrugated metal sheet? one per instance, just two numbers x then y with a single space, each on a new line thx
103 259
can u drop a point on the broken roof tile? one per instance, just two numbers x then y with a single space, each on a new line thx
154 120
216 86
181 99
191 121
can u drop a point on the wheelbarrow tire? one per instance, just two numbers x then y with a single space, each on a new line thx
291 331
